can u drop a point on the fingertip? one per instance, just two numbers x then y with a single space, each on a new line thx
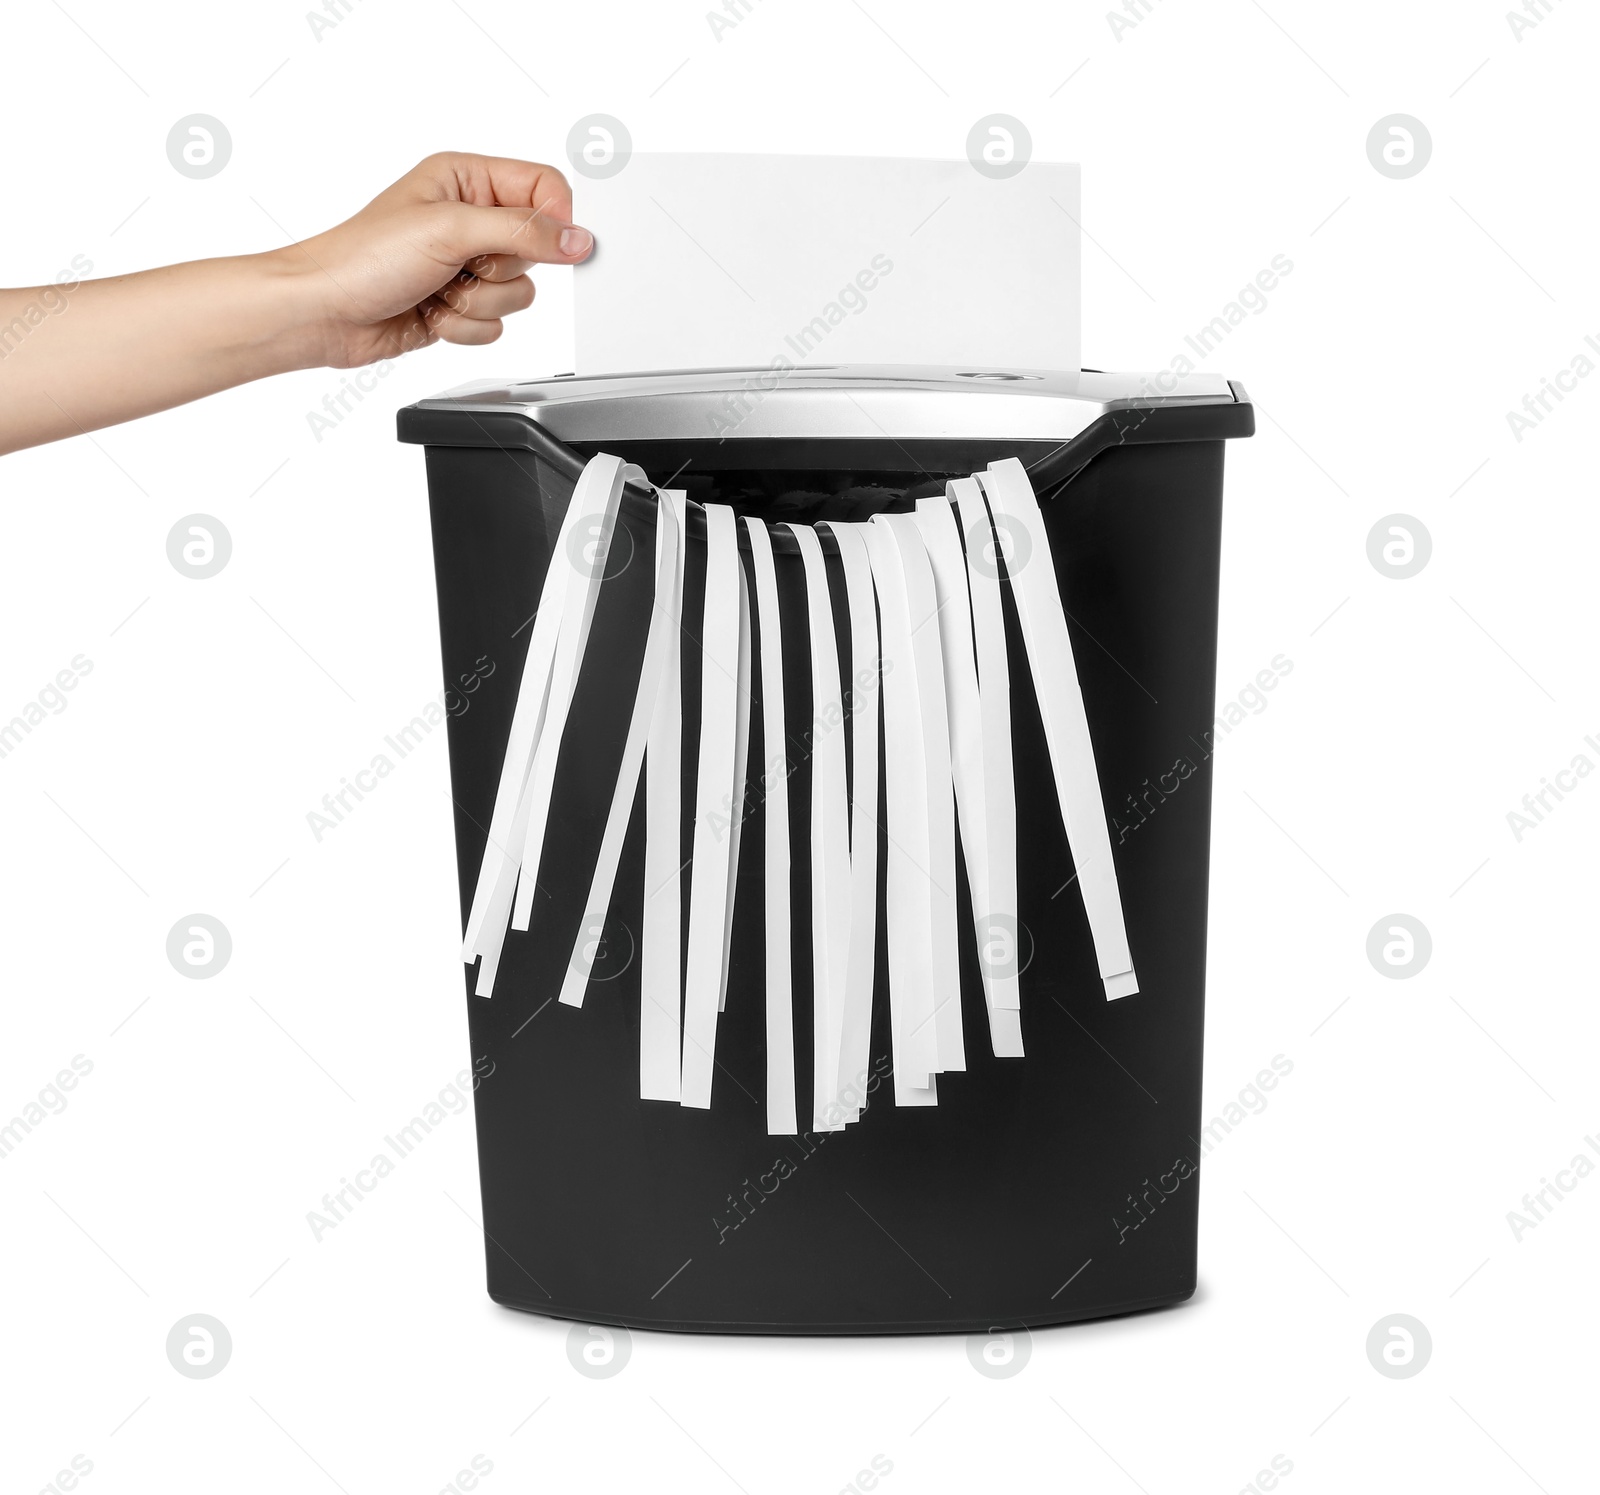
576 243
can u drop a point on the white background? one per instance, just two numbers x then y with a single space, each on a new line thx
1377 779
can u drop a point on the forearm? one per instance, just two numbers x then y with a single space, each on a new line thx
76 357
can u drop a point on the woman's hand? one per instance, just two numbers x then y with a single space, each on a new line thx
443 253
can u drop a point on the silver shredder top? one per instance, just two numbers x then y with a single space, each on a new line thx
851 401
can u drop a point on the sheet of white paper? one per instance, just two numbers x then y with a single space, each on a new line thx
922 606
782 1120
645 699
1032 573
661 939
713 261
708 885
830 839
908 912
998 931
855 1038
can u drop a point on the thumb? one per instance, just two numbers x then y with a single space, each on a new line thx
467 230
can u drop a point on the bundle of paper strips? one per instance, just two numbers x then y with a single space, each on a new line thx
926 648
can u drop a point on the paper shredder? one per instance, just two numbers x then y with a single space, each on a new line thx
1060 1186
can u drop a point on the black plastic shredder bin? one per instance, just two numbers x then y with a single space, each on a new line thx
1060 1186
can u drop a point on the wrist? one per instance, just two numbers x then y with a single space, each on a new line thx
288 324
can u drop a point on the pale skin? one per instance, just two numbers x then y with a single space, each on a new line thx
442 255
